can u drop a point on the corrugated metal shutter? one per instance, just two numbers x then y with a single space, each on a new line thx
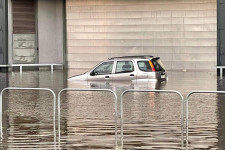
23 16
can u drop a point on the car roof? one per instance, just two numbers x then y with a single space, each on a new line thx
150 57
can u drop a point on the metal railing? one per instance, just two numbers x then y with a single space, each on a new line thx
221 70
155 91
187 99
183 103
36 89
31 65
86 90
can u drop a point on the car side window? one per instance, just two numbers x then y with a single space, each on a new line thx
104 68
158 65
124 66
144 66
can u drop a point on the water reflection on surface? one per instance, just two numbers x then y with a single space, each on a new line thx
90 121
151 120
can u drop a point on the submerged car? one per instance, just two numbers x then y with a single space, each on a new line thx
126 68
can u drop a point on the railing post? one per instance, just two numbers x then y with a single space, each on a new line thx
52 68
21 69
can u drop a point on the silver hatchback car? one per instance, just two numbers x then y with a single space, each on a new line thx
126 68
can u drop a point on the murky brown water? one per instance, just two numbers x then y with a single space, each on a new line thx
151 120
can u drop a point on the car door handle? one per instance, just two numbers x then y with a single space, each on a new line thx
131 75
106 77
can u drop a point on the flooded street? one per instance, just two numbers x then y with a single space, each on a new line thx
151 120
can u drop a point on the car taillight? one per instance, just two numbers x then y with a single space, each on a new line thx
153 68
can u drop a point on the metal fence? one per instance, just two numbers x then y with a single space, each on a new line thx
183 112
86 90
36 89
155 91
187 99
31 65
221 70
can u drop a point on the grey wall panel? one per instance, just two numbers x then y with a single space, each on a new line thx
221 1
221 33
50 31
139 28
176 30
143 14
132 2
142 42
221 21
144 7
222 47
3 32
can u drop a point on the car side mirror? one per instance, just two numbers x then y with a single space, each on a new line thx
94 73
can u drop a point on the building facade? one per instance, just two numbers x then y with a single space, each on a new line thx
35 31
182 32
81 33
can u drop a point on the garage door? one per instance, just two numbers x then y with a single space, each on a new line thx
181 32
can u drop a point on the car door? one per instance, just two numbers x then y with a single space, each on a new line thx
102 72
124 70
144 70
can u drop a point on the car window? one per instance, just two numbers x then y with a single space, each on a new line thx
158 65
144 66
104 68
124 66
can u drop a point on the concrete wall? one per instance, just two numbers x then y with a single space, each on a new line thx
50 31
182 32
3 32
24 49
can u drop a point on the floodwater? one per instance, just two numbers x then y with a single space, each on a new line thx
87 120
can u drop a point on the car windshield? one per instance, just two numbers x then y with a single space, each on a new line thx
158 65
104 68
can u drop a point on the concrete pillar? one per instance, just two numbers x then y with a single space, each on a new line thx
221 32
221 62
50 31
3 33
